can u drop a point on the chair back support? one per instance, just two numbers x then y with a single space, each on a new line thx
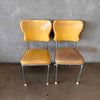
36 30
67 30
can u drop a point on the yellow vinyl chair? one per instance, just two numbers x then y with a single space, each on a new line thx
67 30
36 30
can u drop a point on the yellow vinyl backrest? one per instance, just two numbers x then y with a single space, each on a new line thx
67 30
36 30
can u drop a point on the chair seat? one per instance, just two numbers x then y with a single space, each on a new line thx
68 56
36 56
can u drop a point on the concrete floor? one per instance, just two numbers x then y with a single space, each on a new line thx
11 83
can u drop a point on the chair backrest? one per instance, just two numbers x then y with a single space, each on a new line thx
67 30
36 30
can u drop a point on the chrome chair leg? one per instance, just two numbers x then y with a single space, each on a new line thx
48 75
77 82
56 75
24 76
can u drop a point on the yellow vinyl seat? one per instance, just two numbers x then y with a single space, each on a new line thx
36 30
36 56
67 30
68 56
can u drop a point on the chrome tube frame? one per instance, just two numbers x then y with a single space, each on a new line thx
23 65
77 82
56 45
35 65
74 45
46 45
28 45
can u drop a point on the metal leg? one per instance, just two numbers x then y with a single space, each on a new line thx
46 45
77 82
24 76
48 75
74 45
56 45
54 63
56 75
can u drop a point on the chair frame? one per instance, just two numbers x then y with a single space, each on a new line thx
23 65
77 82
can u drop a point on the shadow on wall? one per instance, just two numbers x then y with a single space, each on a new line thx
52 33
87 35
88 31
87 49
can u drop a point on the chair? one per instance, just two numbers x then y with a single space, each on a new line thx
67 30
36 30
